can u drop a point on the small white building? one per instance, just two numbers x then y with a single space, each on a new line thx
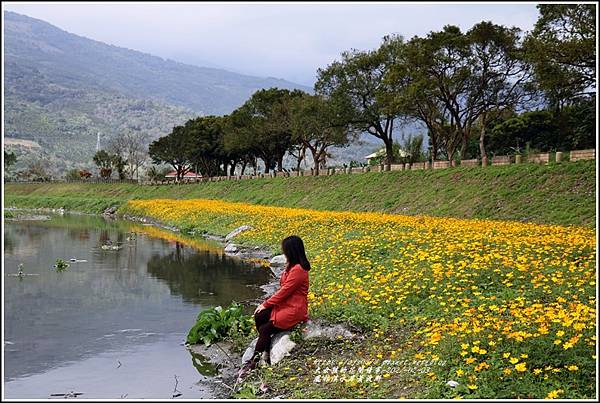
381 153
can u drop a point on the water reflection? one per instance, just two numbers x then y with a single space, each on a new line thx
148 290
202 365
199 276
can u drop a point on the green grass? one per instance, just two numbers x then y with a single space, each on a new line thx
556 193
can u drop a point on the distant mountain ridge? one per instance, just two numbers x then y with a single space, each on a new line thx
61 90
73 60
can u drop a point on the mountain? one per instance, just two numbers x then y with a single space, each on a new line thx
57 125
62 89
77 61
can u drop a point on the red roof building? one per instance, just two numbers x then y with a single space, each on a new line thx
189 175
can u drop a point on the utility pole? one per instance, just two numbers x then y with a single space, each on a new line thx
98 143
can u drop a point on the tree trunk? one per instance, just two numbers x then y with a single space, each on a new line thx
232 169
434 146
267 165
322 159
463 146
280 163
244 167
316 159
300 158
481 140
389 151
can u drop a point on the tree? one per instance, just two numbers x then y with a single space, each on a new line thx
132 147
119 163
156 174
413 93
208 153
36 171
434 76
317 124
175 149
562 48
413 149
501 76
450 80
104 161
571 128
357 84
261 127
9 160
535 129
72 175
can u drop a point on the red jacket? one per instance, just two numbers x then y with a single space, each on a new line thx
290 302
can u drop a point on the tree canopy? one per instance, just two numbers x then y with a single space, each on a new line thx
562 49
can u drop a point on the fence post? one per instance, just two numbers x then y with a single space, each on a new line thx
558 156
518 159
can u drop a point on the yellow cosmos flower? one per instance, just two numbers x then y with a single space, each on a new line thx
554 394
521 367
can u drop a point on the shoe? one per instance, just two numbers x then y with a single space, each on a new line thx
248 366
265 360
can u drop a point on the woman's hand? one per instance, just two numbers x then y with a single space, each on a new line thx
258 309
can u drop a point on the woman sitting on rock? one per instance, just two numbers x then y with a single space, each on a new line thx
287 307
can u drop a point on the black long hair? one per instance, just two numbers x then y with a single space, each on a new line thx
293 249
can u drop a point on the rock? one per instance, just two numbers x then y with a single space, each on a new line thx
249 351
237 231
230 248
281 346
270 288
277 270
278 260
313 329
111 247
452 384
110 211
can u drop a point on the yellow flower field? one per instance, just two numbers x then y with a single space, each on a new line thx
508 306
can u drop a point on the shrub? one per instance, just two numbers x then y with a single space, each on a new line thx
214 324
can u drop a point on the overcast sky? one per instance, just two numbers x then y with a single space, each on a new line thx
279 40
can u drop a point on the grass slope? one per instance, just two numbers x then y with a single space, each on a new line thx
556 193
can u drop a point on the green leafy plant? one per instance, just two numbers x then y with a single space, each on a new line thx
61 265
248 391
216 323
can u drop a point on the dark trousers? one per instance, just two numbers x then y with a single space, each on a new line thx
266 329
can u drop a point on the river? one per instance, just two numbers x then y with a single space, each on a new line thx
113 324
